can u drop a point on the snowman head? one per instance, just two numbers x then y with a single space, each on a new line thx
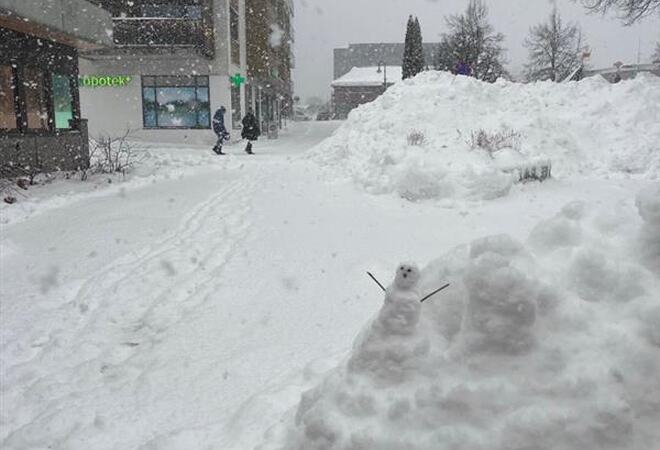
407 275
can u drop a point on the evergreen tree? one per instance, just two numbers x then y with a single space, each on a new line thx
413 53
472 41
555 49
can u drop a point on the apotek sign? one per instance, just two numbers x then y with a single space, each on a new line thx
99 81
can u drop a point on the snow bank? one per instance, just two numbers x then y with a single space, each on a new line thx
154 163
588 127
549 344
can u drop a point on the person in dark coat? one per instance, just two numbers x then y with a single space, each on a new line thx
251 130
220 130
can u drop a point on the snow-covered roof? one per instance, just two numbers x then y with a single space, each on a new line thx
368 76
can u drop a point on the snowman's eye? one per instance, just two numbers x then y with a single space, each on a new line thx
402 268
409 270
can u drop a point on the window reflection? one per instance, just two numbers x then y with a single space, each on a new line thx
176 102
35 99
7 99
62 101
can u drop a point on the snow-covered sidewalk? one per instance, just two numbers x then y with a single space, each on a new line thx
184 312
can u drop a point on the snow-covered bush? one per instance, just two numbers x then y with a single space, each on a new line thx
112 154
494 141
416 138
548 344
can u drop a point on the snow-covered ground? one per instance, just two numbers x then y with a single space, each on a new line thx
192 304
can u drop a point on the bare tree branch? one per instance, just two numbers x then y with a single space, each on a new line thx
472 40
555 49
630 11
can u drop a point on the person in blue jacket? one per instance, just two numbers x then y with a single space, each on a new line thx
463 68
220 129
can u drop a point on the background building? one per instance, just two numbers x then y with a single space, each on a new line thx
360 72
368 55
41 126
270 60
617 73
168 71
361 85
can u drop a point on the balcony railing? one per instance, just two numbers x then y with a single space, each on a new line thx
163 32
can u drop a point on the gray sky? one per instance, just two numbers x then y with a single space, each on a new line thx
321 25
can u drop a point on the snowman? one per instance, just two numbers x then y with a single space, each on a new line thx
390 349
400 312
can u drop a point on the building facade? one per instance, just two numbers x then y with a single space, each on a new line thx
370 55
270 61
173 63
41 124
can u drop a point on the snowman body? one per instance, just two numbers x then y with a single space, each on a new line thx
401 309
392 349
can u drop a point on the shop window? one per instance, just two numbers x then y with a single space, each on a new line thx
7 99
176 102
62 101
236 112
234 33
36 100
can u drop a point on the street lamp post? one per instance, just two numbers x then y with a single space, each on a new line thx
382 63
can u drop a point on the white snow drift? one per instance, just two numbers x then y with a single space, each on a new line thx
590 127
549 344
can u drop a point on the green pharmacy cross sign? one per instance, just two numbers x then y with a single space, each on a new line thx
237 80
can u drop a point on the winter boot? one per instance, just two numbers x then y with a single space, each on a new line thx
218 150
248 149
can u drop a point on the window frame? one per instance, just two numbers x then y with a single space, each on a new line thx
13 68
234 28
197 82
72 92
22 52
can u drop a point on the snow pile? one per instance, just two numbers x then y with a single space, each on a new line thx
550 344
153 163
588 127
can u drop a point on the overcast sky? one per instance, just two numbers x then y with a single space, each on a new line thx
321 25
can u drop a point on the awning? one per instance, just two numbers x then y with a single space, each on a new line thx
77 23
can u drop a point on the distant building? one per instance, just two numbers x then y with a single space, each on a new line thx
41 125
361 85
357 79
616 73
269 88
367 55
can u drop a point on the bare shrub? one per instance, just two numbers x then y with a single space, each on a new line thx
416 138
16 175
494 141
112 154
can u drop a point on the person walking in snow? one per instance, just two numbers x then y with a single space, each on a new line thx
220 129
250 131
